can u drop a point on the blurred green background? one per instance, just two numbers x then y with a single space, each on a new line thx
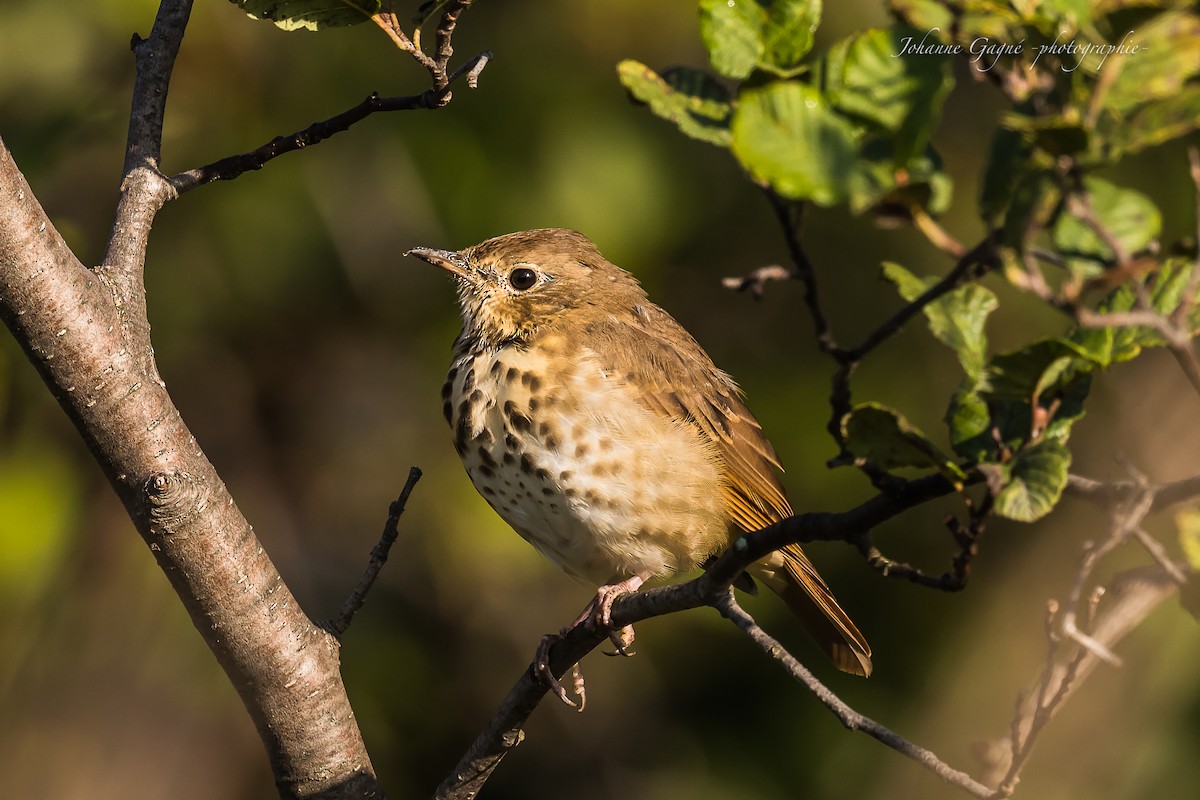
307 357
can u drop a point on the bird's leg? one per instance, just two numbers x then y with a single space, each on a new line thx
598 614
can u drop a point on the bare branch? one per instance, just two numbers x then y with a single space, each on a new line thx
379 557
853 720
1116 492
1130 597
230 167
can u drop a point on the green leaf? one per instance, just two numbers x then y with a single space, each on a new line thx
1151 124
925 15
310 15
864 77
771 35
1020 375
1132 219
1056 135
957 318
1008 155
877 183
690 98
879 435
1168 56
1031 395
1033 481
785 134
1165 288
970 422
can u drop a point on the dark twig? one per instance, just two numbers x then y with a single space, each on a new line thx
976 263
791 219
379 557
955 579
853 720
232 166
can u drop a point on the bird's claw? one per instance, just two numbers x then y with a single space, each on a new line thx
541 671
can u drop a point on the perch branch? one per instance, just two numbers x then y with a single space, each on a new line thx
504 730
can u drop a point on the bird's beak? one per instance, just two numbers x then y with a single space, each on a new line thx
449 260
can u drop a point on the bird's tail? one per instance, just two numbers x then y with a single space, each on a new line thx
790 574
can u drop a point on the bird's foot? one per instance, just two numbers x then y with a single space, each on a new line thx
598 614
597 618
541 671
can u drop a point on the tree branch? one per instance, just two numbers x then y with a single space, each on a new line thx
230 167
503 731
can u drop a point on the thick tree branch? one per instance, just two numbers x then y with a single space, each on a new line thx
88 336
284 667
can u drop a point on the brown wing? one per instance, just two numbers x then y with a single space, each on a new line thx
676 378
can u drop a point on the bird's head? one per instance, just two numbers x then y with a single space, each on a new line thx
513 286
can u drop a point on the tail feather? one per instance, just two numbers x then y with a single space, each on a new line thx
791 575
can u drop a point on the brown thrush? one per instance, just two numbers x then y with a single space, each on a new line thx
598 428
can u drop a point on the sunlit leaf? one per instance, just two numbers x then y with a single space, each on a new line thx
865 77
1168 56
1152 123
1033 481
771 35
312 15
690 98
785 134
957 318
1132 219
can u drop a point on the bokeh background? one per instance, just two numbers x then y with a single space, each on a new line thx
307 355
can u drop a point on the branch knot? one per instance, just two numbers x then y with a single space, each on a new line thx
173 499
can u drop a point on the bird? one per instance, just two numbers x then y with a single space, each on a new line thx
599 429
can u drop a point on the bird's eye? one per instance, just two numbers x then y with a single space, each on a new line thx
522 278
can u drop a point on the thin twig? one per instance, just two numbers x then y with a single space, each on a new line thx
791 219
1129 599
853 720
228 168
974 264
379 557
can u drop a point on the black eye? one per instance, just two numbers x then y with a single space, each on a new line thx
522 278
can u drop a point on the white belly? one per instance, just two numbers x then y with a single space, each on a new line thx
592 478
